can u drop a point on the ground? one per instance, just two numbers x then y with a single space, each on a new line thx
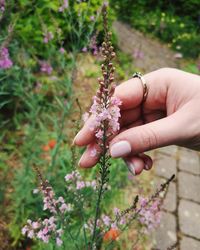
180 225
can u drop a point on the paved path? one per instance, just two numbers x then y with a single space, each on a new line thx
181 214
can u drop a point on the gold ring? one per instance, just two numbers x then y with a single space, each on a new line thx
144 85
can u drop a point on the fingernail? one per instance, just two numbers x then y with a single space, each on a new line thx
120 149
131 167
146 167
79 163
75 138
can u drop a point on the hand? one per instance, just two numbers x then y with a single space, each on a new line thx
170 115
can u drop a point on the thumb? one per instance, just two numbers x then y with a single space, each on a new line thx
163 132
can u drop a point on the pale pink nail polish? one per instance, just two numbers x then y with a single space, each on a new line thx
120 149
131 167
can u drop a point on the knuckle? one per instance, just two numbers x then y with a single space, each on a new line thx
148 139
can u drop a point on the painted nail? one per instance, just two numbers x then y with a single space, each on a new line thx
120 149
75 138
131 167
146 167
79 163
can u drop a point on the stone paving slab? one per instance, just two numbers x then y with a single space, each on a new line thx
189 186
165 166
189 218
189 244
167 232
189 161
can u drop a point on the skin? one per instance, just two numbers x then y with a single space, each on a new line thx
169 116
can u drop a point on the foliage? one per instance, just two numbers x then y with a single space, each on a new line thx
176 23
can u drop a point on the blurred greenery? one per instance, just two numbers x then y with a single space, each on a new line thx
36 107
174 22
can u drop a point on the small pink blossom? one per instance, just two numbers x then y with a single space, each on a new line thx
48 36
5 62
45 67
62 50
84 49
178 55
106 220
92 18
80 185
59 242
64 6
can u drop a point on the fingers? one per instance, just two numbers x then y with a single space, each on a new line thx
90 157
136 164
156 134
86 135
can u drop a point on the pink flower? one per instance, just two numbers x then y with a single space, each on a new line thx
48 36
59 242
45 67
64 6
178 55
80 185
5 62
2 5
116 211
62 50
84 49
106 220
92 18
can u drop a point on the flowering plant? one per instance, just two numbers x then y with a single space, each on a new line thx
71 218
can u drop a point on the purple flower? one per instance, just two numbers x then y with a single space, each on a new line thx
106 220
5 62
45 67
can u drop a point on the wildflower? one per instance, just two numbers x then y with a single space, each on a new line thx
59 242
149 215
5 62
45 148
84 49
64 6
52 143
80 185
48 36
93 45
45 67
112 234
92 18
2 5
116 211
106 220
62 50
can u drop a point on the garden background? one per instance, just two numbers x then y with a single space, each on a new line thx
49 65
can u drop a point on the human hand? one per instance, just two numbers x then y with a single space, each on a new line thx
170 115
